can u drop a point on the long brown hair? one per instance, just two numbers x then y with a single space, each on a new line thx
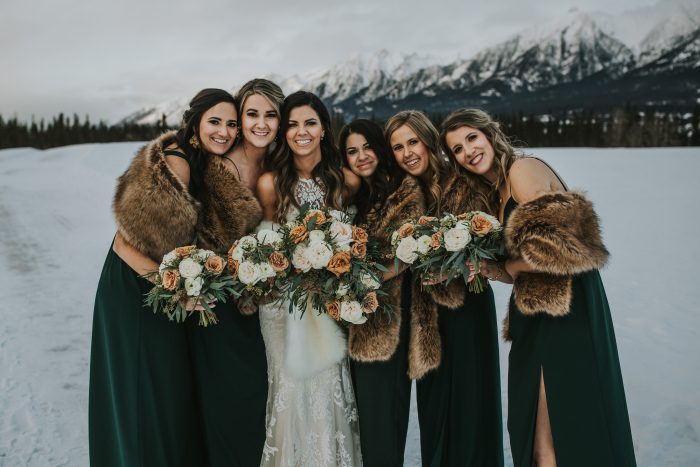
504 151
429 136
329 171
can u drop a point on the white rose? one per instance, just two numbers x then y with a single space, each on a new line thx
248 273
193 286
237 253
269 237
341 233
406 251
247 243
343 247
336 215
368 281
300 260
167 259
319 254
352 312
266 271
317 236
424 242
189 268
456 239
343 290
462 225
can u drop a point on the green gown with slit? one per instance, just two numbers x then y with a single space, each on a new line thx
459 403
143 410
577 355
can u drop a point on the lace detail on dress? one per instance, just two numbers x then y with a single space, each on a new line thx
313 421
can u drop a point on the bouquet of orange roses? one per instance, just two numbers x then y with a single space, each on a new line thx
190 278
434 247
334 267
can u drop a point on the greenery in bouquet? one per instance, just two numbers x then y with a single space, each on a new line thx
188 281
335 267
435 247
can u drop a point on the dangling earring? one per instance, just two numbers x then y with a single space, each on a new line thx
194 141
323 135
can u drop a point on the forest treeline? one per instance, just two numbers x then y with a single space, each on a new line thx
622 127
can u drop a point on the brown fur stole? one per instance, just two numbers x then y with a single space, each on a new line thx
154 211
559 235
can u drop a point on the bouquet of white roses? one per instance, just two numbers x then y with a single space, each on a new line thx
258 264
334 267
433 247
189 276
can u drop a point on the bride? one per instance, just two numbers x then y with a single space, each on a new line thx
311 418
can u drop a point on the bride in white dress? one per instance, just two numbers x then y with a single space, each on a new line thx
311 417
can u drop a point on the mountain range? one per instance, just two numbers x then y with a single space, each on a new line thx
648 57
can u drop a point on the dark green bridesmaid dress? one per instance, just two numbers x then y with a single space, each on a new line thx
143 410
383 394
459 404
231 377
577 355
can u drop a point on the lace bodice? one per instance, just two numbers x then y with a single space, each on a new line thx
309 191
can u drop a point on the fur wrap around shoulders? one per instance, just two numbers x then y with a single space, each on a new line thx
153 208
558 234
377 339
155 211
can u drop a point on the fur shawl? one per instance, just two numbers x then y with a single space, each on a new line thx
378 338
462 192
559 235
154 210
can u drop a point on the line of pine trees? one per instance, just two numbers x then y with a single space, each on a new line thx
622 127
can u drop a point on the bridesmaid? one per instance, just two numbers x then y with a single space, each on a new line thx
566 400
143 409
379 348
229 358
459 400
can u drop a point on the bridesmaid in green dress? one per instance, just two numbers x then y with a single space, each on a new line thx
142 409
230 366
459 390
566 399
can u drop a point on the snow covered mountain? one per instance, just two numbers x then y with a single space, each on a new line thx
564 64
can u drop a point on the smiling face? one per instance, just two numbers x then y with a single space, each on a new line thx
304 131
410 152
361 158
218 128
259 121
472 150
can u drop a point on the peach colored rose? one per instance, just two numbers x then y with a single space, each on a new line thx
370 303
339 263
425 220
214 264
435 240
184 251
333 310
171 277
481 225
359 234
233 267
299 233
278 261
406 230
320 217
462 216
359 250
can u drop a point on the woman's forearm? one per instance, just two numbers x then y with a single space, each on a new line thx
136 260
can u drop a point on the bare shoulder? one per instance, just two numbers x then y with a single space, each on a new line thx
530 178
352 181
265 187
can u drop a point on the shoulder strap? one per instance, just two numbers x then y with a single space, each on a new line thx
556 174
172 152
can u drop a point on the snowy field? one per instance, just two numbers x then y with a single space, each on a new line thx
56 227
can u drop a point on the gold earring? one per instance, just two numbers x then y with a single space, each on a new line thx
194 141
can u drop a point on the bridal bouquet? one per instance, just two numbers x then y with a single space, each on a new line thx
188 275
334 267
258 265
434 247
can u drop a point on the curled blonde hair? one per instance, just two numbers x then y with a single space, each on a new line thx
429 136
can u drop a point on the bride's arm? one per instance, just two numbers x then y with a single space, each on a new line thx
265 189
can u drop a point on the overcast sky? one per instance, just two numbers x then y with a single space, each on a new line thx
109 58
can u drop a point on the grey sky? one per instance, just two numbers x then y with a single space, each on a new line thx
109 58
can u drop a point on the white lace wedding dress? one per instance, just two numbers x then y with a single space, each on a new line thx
311 417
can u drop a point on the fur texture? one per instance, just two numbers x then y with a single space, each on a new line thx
377 339
559 235
153 209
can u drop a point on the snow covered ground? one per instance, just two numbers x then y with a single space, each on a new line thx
56 227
